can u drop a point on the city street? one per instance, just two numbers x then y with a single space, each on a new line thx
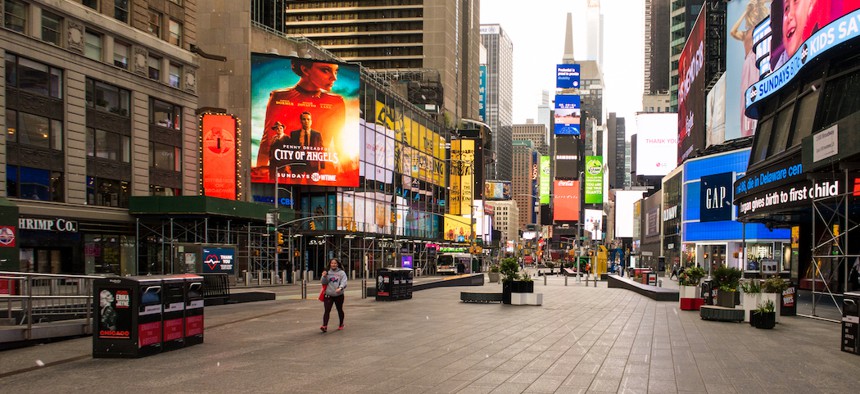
583 339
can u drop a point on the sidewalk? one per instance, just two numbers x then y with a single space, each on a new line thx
582 339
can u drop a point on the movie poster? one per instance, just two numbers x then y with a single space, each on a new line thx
304 121
114 316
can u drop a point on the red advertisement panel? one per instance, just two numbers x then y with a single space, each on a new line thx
219 156
565 201
691 92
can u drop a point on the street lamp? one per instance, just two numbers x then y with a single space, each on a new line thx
278 213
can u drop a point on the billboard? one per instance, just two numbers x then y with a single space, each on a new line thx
457 228
219 261
482 92
624 213
419 151
742 18
594 223
715 197
715 119
798 37
567 115
656 143
544 180
691 90
594 179
535 192
462 176
377 153
565 201
566 157
567 76
219 156
304 121
497 190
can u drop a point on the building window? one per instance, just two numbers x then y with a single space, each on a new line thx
33 77
165 114
15 15
165 157
154 23
120 10
175 29
154 68
108 98
93 45
108 145
120 55
177 2
155 190
34 184
51 28
107 192
173 74
34 130
94 4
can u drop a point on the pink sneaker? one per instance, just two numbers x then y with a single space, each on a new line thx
340 328
323 328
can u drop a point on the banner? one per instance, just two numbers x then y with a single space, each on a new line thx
497 190
457 228
594 179
219 155
462 176
304 121
482 92
691 92
544 180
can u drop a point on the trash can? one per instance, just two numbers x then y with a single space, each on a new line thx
173 314
127 317
851 322
383 284
193 309
708 292
394 284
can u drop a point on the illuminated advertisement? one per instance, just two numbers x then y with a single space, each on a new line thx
377 155
419 151
691 89
497 190
715 109
304 121
544 180
567 115
594 223
219 146
799 35
594 179
715 197
462 173
457 228
566 157
624 213
534 198
741 71
565 201
482 92
219 260
656 143
567 76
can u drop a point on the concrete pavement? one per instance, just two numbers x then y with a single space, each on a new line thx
583 339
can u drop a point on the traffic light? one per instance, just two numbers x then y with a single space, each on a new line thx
280 238
313 226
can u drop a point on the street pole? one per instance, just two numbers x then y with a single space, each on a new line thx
277 218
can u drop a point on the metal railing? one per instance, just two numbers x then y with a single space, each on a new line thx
29 299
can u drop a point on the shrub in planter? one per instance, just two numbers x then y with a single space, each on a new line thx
751 297
727 281
494 273
764 316
772 289
510 271
691 276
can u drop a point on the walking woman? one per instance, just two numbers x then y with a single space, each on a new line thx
335 281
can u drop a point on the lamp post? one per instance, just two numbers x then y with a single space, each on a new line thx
278 213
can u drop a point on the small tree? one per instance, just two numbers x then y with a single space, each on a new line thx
691 276
509 269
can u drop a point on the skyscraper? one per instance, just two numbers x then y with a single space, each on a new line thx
656 93
534 132
521 185
595 32
499 93
616 152
403 40
683 16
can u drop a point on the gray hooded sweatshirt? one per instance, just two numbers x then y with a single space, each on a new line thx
335 279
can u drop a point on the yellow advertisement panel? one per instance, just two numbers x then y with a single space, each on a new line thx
457 228
454 191
466 171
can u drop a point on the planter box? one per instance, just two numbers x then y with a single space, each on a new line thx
691 304
775 298
688 291
765 320
749 301
506 292
520 286
494 277
726 299
526 298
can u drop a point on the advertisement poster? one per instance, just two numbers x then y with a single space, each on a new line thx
304 121
114 313
457 228
567 76
462 172
219 260
656 143
594 179
741 71
544 180
406 261
567 115
691 92
594 223
497 190
219 155
565 202
414 140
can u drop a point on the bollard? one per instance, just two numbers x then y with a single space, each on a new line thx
259 278
304 289
565 280
364 288
659 282
544 280
247 278
595 280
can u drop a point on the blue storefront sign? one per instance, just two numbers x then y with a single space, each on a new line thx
715 199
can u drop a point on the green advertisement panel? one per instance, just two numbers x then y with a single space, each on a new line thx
544 180
594 179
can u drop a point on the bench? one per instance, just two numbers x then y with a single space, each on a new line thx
216 289
719 313
652 292
482 298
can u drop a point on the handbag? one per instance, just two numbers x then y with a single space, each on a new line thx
322 292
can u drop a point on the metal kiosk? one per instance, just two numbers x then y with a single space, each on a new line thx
127 318
851 323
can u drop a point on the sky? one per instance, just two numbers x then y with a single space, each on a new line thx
537 29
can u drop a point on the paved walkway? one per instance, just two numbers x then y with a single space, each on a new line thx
583 339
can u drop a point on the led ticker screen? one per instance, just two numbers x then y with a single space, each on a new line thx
304 121
567 76
219 155
567 115
565 201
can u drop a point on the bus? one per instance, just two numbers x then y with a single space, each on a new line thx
455 263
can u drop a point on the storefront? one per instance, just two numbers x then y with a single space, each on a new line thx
711 234
671 218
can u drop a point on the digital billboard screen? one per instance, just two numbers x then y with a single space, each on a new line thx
462 176
656 143
544 180
567 76
691 92
594 223
715 119
497 190
567 115
565 201
742 18
594 179
624 200
457 228
304 121
219 155
482 92
566 157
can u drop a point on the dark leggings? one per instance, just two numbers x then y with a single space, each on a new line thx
337 301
